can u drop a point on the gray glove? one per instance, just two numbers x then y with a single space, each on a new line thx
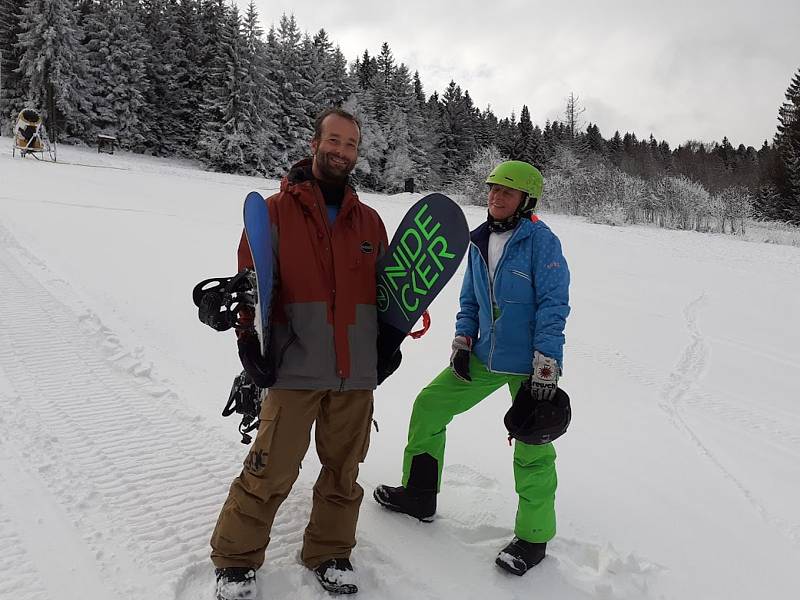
544 378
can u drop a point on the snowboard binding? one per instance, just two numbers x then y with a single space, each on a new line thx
244 399
219 299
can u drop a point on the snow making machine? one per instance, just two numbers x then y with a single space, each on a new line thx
30 136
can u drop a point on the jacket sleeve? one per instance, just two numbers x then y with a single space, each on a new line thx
467 317
551 287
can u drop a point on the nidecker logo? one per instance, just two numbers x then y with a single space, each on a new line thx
415 264
366 247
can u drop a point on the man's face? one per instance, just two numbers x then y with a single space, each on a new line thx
336 151
503 201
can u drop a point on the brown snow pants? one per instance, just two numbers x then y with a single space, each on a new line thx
343 421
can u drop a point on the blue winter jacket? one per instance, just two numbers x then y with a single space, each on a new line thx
531 292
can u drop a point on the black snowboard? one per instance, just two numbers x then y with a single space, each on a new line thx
424 254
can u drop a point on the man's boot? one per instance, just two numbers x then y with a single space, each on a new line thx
236 583
418 497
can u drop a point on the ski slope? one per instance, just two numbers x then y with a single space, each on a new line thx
679 478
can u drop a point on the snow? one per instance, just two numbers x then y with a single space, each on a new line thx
678 479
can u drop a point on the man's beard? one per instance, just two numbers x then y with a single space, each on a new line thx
331 172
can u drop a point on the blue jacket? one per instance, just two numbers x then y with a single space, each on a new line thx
531 293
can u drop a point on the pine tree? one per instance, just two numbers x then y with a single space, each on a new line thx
527 143
294 111
260 95
433 119
366 68
188 95
615 149
166 72
372 151
457 144
230 143
406 98
595 142
486 129
787 141
55 66
381 85
12 89
117 53
341 87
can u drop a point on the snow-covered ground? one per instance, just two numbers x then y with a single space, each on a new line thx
679 478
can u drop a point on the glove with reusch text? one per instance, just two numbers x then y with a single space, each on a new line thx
544 378
459 359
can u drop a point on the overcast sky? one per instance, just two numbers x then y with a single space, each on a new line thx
679 70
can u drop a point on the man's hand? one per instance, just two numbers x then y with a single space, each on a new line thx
387 366
459 359
544 379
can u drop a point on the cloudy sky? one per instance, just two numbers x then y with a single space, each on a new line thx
680 69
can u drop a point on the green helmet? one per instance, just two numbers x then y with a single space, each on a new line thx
518 175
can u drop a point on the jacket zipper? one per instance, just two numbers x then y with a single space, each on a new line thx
329 231
492 295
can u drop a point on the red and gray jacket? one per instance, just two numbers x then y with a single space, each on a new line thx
323 326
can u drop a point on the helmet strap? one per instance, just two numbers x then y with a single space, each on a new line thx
524 211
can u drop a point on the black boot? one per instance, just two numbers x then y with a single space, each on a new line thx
519 556
421 506
336 576
418 497
236 583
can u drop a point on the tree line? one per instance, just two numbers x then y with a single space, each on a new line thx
199 78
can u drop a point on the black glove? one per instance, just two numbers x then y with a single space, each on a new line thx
257 366
387 366
459 359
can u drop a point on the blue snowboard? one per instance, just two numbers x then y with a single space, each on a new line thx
259 237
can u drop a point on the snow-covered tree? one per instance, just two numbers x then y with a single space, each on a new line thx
229 136
12 89
373 146
294 110
787 141
117 53
55 66
473 181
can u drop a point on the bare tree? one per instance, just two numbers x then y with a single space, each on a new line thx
573 115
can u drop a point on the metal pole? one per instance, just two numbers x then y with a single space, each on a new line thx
52 110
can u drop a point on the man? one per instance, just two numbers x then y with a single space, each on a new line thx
514 305
323 334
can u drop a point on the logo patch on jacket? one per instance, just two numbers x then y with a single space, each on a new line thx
366 247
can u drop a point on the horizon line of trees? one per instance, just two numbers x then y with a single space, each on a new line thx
198 78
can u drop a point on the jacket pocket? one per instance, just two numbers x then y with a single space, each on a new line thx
518 287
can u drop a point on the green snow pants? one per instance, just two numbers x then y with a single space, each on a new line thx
534 466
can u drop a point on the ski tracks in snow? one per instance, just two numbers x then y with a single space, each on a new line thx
124 485
680 392
111 489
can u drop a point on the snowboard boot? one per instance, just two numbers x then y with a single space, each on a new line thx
336 575
418 497
236 583
519 556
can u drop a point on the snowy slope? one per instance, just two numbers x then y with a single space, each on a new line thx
678 479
